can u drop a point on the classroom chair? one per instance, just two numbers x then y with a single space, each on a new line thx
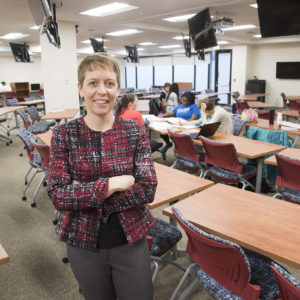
35 117
161 241
288 178
223 165
186 154
294 105
285 101
238 124
36 161
28 98
289 287
224 269
4 137
11 101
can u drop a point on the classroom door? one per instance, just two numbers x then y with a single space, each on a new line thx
223 74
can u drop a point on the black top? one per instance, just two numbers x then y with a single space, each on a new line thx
111 233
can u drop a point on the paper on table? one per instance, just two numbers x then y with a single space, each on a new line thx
160 125
290 124
150 118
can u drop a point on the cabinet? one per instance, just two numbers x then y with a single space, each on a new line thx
21 89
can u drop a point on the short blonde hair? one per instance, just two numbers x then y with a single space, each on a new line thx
98 60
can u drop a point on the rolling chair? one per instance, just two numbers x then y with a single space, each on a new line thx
287 180
238 124
35 117
224 269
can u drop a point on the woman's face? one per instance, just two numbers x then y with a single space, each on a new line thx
167 88
185 101
133 104
100 90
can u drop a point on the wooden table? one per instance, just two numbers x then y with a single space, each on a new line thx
291 152
291 113
258 104
154 96
174 185
60 114
3 256
251 97
45 137
249 149
33 102
260 223
293 97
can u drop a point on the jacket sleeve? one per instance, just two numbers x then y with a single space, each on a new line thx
64 194
143 191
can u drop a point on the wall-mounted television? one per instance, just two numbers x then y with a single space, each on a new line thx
35 86
132 54
288 70
201 30
279 17
21 52
98 46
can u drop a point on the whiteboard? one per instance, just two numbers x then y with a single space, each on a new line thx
144 77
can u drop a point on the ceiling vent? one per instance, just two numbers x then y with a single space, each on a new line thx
222 23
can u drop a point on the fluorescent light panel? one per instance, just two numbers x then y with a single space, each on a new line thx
13 36
147 44
258 36
35 27
169 46
239 27
223 42
179 18
109 9
88 41
180 37
124 32
253 5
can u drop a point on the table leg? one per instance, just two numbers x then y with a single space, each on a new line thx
260 162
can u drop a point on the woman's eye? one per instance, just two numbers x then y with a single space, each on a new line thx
110 83
92 83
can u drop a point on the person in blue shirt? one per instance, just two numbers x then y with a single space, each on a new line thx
188 110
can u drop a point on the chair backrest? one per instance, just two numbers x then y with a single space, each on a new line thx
294 105
9 95
24 117
28 98
11 101
184 148
222 260
289 170
289 287
263 114
241 105
41 92
24 135
221 155
238 124
44 152
235 95
33 112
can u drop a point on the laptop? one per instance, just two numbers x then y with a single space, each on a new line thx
206 130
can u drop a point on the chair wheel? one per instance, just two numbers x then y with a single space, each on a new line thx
10 142
26 182
54 222
24 198
21 154
33 204
7 144
45 183
8 134
65 260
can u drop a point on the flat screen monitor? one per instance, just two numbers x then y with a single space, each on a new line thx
288 70
132 54
21 52
51 30
97 45
279 17
201 30
35 86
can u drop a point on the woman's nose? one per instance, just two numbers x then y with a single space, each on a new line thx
101 88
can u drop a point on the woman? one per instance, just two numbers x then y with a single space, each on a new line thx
126 108
101 178
188 110
216 114
163 96
172 97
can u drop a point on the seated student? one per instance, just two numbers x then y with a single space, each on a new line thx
126 108
163 96
188 110
172 97
216 114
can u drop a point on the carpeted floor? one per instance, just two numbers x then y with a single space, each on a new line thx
36 270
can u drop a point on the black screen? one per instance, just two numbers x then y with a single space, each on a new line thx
52 33
21 52
288 70
279 17
35 86
187 47
97 46
201 30
132 54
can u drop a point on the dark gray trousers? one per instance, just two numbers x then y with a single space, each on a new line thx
123 272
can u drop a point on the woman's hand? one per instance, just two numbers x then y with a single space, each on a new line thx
160 115
119 184
75 182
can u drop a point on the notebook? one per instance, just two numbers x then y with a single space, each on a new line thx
206 130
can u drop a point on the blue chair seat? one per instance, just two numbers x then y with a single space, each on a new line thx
291 195
247 172
164 236
191 163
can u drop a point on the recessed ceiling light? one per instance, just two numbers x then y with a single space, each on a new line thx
36 49
180 37
240 27
253 5
257 36
88 41
169 46
140 49
109 9
14 36
179 18
147 44
124 32
35 27
222 42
